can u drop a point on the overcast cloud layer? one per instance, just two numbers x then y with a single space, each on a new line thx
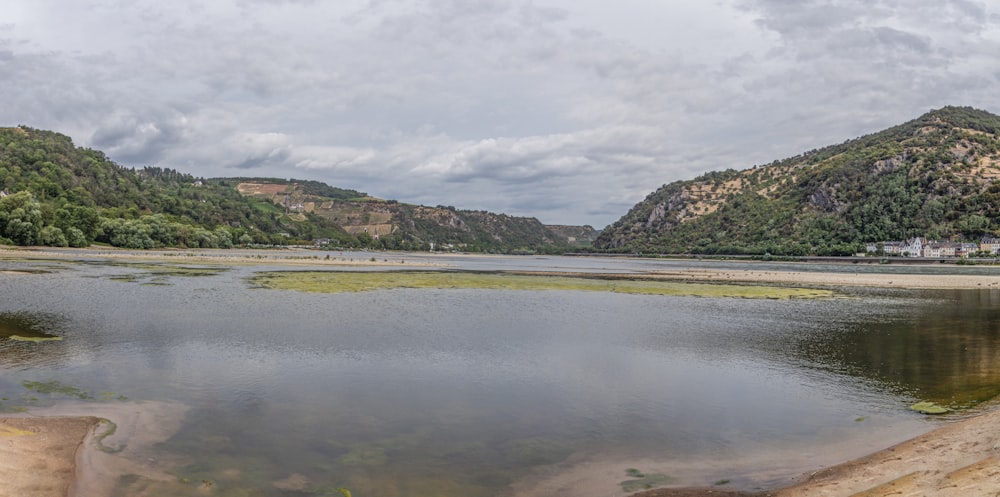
570 111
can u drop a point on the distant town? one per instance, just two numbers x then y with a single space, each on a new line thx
921 247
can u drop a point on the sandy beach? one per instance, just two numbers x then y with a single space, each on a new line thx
59 452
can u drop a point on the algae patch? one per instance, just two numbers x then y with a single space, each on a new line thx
929 408
362 281
27 328
19 338
644 481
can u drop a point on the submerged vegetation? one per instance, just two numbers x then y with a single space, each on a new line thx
26 328
359 281
644 481
39 393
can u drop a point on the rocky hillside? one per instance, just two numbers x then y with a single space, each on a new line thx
54 193
937 176
397 225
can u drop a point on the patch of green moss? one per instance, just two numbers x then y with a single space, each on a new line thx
361 281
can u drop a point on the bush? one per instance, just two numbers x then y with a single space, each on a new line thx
52 236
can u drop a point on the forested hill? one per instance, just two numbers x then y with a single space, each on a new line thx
54 193
937 176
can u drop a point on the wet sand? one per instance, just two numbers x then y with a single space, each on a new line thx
915 281
38 455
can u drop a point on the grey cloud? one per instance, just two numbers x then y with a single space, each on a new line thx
267 158
135 140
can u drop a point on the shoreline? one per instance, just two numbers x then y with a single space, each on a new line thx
212 256
959 459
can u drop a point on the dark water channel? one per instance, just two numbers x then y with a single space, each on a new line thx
474 392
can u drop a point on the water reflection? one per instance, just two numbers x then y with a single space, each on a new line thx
30 339
946 349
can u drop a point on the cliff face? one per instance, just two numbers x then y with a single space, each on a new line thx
936 176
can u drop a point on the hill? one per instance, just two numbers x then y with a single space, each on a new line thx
937 176
397 225
54 193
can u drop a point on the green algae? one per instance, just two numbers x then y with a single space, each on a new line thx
36 339
929 408
56 388
362 281
159 274
109 431
27 327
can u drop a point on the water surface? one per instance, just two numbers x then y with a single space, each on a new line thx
475 392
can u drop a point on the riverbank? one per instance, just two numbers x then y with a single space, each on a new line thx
215 256
877 280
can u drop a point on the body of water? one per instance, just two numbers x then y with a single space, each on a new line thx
471 393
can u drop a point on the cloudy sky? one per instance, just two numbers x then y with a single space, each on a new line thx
570 111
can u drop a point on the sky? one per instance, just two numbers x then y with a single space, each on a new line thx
570 111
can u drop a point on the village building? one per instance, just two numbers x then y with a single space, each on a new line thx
990 246
913 247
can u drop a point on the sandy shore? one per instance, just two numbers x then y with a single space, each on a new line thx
38 455
915 281
961 459
79 449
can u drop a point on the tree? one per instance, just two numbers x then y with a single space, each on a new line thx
20 218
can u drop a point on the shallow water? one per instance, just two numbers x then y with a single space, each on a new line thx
468 392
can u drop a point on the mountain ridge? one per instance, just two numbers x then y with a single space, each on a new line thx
937 176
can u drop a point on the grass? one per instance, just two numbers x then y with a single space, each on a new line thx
362 281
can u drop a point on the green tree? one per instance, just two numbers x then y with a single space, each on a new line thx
20 218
